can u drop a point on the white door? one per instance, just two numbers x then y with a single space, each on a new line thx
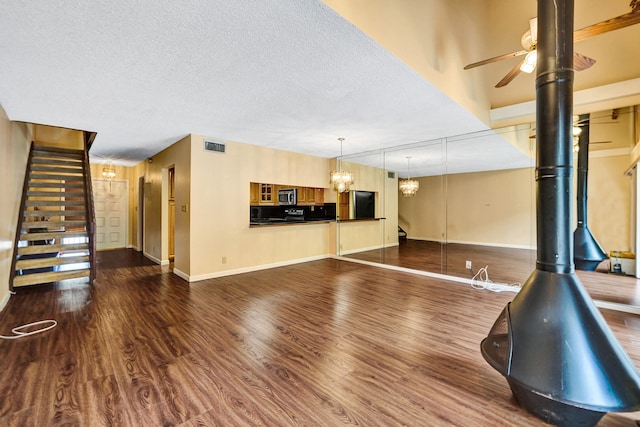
111 205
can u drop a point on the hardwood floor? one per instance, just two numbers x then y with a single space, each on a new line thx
324 343
505 265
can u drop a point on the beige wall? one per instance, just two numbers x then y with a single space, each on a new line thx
423 215
497 208
221 240
156 205
405 27
494 208
15 139
609 202
490 208
58 137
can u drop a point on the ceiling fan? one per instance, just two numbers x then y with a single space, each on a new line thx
577 129
529 43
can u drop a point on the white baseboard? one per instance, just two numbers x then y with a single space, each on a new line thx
5 301
181 274
152 258
224 273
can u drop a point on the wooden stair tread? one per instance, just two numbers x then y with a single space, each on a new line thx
57 162
39 278
57 177
38 202
52 235
26 264
75 194
53 224
49 213
45 184
43 249
57 150
57 169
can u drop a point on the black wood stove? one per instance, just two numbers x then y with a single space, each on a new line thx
559 356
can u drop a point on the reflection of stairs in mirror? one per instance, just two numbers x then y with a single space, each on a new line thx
53 243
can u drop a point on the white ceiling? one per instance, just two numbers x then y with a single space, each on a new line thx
287 74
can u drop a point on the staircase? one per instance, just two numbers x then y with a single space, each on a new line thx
54 241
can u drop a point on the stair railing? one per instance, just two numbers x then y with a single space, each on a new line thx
89 207
23 202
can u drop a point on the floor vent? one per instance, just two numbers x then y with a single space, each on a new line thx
214 146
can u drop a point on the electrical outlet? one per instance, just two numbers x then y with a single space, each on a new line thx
468 265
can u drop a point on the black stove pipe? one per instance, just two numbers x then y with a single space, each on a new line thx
561 360
588 253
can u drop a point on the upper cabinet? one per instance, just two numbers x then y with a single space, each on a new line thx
267 195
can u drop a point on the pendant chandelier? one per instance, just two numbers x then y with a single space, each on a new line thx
109 172
339 179
409 187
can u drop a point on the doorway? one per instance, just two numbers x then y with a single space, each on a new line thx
172 213
111 207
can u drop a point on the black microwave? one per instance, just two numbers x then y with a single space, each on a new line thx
288 197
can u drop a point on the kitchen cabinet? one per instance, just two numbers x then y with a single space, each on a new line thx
302 196
343 206
267 195
318 196
309 196
254 193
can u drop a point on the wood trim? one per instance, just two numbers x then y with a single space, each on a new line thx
25 187
89 208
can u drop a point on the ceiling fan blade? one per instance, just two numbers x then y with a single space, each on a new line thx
581 62
612 24
533 27
497 58
510 75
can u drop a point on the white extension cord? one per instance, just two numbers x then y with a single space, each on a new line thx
480 280
18 330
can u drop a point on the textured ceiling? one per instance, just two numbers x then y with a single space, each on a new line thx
282 73
287 74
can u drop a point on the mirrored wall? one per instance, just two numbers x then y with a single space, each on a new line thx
475 204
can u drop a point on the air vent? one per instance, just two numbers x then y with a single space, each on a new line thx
391 175
214 146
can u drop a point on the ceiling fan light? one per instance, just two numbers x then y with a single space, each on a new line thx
530 61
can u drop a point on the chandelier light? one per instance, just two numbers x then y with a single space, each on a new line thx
339 179
409 187
109 172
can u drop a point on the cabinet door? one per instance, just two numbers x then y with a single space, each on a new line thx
318 196
302 196
254 193
310 195
266 194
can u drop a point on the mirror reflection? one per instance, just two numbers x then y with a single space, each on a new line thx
475 204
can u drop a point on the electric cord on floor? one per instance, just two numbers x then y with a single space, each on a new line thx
480 280
19 330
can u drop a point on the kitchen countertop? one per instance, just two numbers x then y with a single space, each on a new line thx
278 222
